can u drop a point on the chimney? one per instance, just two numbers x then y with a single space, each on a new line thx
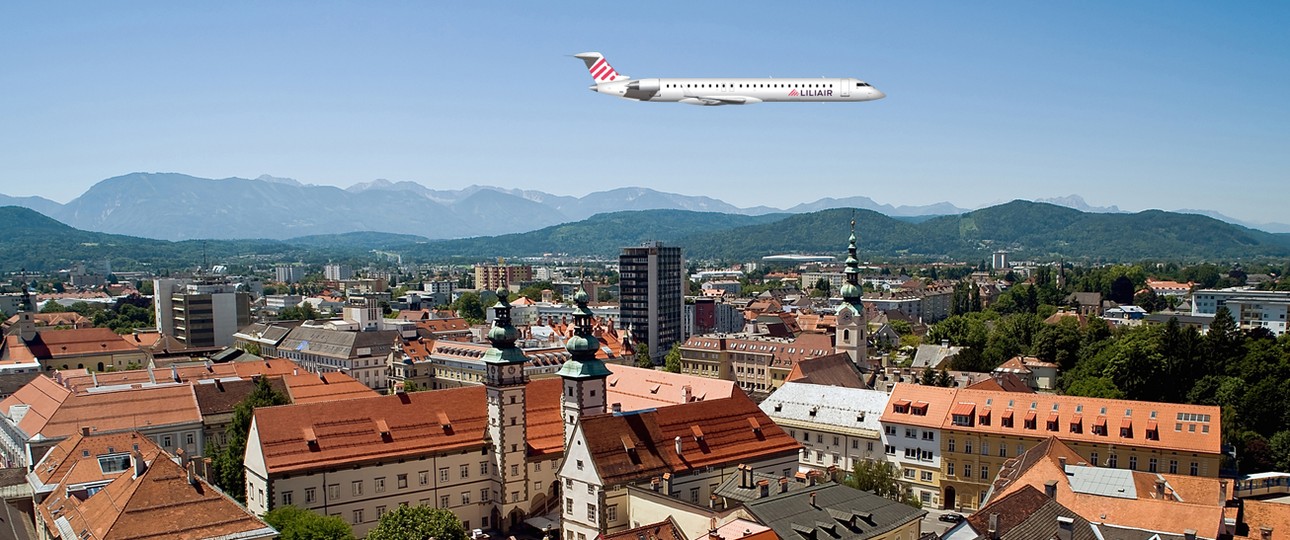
686 394
1190 534
1265 533
1160 488
1222 492
655 482
678 447
667 484
139 466
945 343
783 484
1050 489
85 431
1065 528
192 477
617 408
993 531
1062 460
763 489
295 371
174 372
712 502
813 500
712 526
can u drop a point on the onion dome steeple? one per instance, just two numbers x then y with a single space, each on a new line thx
503 335
851 291
583 345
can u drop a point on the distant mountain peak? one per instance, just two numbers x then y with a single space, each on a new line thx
278 180
1078 203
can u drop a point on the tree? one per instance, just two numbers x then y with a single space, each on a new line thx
298 524
303 312
226 461
468 307
882 479
418 523
642 356
672 362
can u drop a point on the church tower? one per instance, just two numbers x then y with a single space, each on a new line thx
584 375
852 328
504 383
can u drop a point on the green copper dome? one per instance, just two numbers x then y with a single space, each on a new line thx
583 345
849 291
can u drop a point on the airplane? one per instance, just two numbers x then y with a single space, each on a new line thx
723 91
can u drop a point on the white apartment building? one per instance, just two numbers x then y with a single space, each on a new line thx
1251 308
912 439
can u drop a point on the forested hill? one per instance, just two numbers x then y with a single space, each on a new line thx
1027 230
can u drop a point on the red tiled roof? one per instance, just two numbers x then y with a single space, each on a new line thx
160 503
329 386
727 437
124 409
77 341
346 431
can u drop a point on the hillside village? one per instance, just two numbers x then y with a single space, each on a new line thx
648 396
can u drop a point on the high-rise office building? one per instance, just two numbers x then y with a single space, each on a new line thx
338 272
651 282
200 314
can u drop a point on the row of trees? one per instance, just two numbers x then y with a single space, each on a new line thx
402 523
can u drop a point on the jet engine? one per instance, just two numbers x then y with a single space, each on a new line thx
646 86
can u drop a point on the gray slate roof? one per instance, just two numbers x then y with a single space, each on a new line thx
337 343
839 513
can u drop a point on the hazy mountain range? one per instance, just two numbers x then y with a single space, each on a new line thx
171 206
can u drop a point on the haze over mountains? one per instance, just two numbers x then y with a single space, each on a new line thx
172 206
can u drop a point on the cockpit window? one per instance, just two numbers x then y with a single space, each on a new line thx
859 84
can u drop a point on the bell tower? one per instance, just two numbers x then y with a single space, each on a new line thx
852 328
504 384
583 375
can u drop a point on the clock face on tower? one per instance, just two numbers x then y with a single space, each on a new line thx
510 370
845 317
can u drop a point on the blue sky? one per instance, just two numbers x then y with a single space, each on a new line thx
1137 104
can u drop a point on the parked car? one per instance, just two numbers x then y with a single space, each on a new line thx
951 517
478 534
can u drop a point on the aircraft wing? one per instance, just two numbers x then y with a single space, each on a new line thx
720 100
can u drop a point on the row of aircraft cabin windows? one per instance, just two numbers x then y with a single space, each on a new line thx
858 85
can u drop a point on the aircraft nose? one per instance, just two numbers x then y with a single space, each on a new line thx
877 94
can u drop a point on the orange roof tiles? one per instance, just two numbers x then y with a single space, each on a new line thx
637 388
1259 514
81 383
160 503
60 463
77 341
346 431
1188 434
125 409
329 386
268 367
1189 503
42 397
724 437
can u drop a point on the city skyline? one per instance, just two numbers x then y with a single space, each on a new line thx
1158 105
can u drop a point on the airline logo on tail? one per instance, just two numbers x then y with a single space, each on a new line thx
598 67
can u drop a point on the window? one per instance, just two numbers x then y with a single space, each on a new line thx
423 477
515 470
1173 466
483 495
819 438
909 473
580 464
985 448
443 501
591 489
443 474
483 468
967 447
925 455
333 492
1092 457
537 466
889 449
929 435
465 497
310 495
890 430
855 444
403 481
568 483
967 470
950 445
591 512
464 470
568 505
380 511
911 433
379 485
835 440
985 472
188 438
1194 468
356 488
1113 461
1151 465
949 469
1003 450
358 516
286 498
911 453
611 513
537 487
870 449
1133 462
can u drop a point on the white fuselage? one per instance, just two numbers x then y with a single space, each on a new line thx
728 91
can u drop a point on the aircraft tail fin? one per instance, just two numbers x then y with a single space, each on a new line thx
599 67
